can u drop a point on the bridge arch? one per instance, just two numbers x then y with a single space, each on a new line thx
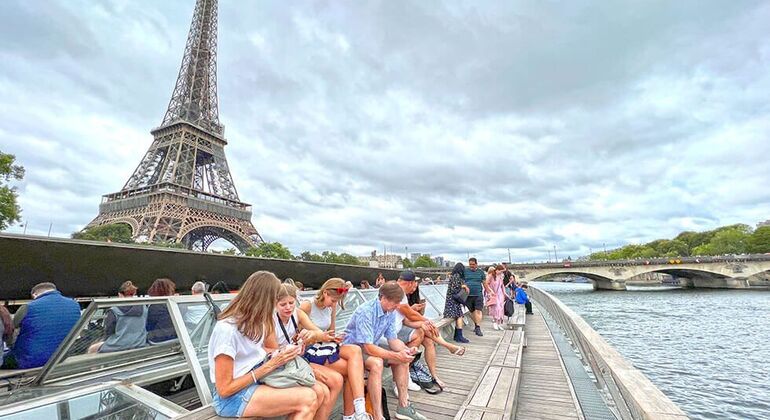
591 276
198 236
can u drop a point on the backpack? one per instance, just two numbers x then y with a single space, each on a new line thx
420 374
509 308
385 411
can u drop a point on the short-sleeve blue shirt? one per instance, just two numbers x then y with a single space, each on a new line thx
369 323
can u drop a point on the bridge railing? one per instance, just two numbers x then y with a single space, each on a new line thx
632 393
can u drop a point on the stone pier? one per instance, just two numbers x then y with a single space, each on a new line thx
723 283
607 284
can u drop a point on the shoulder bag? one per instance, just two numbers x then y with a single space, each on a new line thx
295 372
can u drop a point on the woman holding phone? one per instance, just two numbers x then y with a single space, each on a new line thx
294 327
344 359
238 357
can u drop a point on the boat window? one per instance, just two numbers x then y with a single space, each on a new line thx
111 403
117 336
436 297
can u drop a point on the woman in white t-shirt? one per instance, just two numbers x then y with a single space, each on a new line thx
295 327
238 359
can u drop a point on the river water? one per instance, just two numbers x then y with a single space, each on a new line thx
706 349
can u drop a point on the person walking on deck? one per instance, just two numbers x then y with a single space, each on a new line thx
496 302
476 281
452 308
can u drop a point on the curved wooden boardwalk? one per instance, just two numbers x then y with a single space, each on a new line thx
494 380
545 391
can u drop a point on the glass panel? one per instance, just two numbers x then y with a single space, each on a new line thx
109 404
436 295
199 320
119 335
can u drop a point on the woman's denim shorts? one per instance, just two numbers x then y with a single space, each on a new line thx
234 405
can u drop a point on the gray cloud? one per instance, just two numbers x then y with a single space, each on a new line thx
448 128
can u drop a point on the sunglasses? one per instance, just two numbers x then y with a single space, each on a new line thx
341 290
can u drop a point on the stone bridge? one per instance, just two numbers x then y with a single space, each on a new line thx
729 273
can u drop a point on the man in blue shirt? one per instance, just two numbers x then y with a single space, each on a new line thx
371 322
476 282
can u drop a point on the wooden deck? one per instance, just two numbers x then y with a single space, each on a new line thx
545 392
495 379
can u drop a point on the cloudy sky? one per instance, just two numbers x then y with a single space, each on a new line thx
452 128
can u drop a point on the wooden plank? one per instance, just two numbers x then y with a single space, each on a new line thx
484 391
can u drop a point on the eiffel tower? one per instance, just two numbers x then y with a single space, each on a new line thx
182 190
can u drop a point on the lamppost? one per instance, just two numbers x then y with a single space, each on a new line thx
555 258
25 228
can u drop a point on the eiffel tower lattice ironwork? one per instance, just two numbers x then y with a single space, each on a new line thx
182 190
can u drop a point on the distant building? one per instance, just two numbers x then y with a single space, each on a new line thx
765 223
439 261
382 261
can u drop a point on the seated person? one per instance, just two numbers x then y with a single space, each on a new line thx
43 324
370 322
160 328
6 330
193 313
295 327
415 330
523 299
238 357
343 359
124 326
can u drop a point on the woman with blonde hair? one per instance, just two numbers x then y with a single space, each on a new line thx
238 357
294 327
347 360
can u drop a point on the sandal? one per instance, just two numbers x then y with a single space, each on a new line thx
459 352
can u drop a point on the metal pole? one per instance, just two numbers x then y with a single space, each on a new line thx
509 255
555 258
25 228
605 249
50 226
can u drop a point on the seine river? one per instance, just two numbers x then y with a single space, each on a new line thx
708 350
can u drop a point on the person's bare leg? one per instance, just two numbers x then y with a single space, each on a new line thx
430 359
459 323
401 378
355 369
333 384
374 384
298 403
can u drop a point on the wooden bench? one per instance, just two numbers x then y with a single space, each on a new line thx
519 318
494 394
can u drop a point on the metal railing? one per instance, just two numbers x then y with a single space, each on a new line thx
633 395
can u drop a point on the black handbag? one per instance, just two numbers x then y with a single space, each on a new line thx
508 309
461 296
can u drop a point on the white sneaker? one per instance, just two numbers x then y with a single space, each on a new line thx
494 326
413 386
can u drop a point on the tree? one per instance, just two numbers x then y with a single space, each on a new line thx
117 232
759 241
270 250
424 261
10 212
406 263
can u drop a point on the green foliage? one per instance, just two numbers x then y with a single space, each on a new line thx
270 250
731 239
407 263
759 241
424 261
118 232
10 212
330 257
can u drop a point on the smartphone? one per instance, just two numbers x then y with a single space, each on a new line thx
422 300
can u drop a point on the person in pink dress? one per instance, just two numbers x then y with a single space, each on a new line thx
496 304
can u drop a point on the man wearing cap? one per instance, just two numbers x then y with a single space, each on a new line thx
417 330
370 322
